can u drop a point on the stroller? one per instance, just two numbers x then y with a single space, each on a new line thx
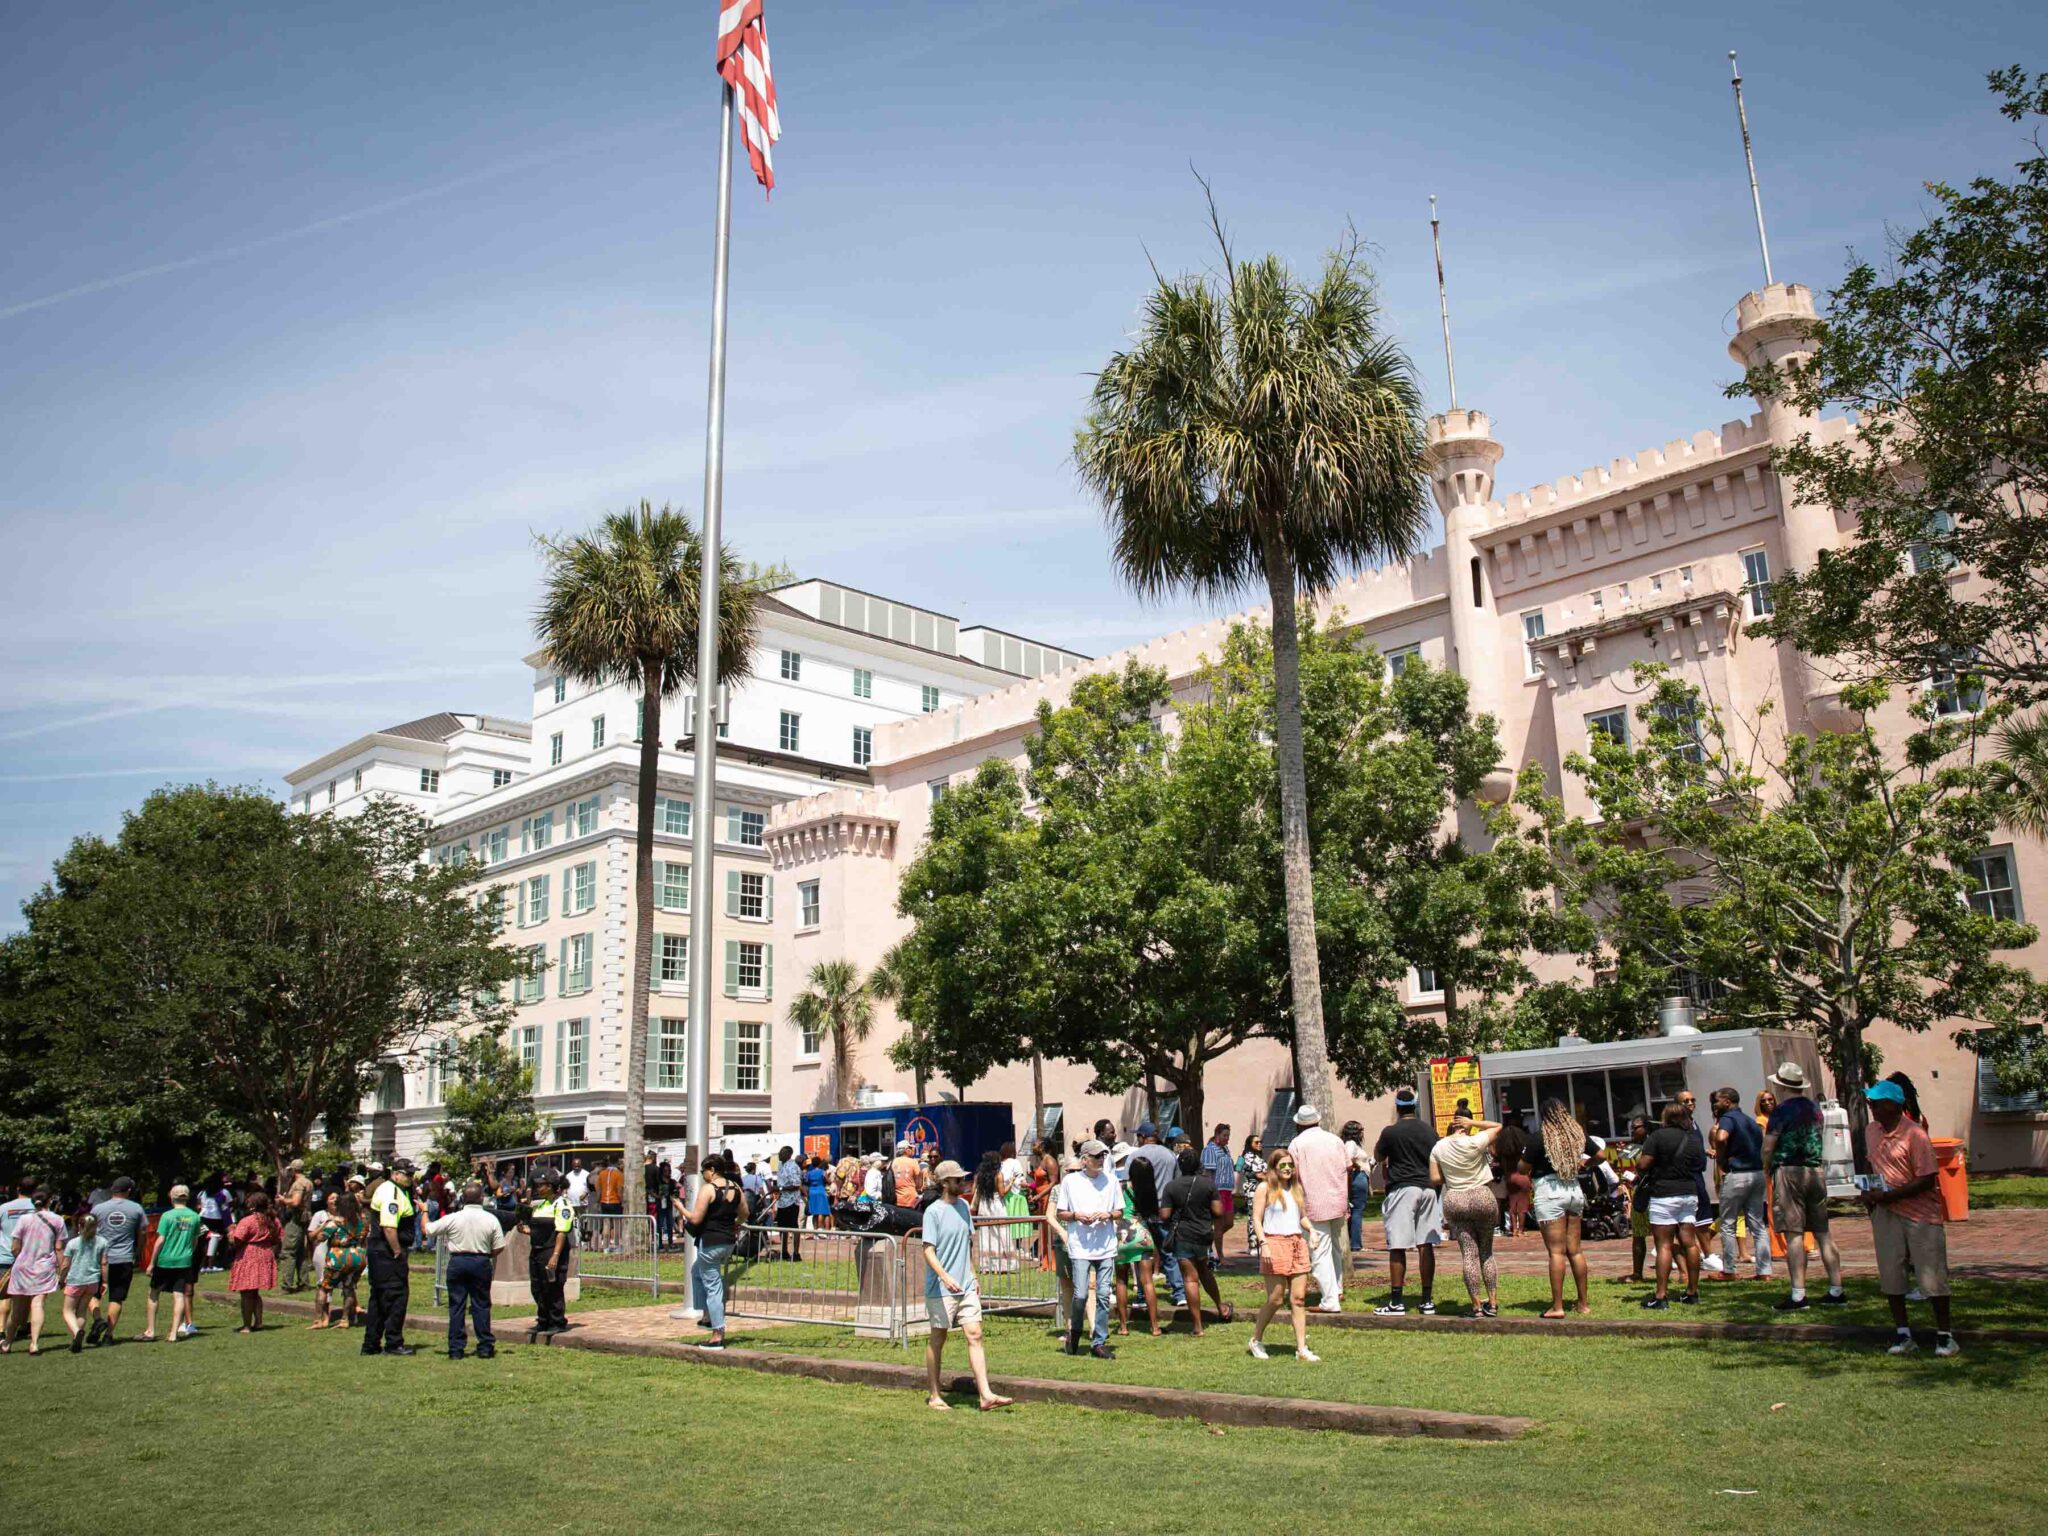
1606 1215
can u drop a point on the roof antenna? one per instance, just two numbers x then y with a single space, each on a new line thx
1443 302
1755 197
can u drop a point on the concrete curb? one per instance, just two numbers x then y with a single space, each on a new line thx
1232 1408
1632 1328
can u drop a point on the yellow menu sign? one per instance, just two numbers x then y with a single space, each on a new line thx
1452 1078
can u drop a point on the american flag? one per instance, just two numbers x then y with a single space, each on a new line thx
743 61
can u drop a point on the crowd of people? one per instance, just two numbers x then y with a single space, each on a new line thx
1112 1219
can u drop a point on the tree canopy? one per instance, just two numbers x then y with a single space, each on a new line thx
487 1102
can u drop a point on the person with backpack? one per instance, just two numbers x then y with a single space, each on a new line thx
713 1224
1151 1168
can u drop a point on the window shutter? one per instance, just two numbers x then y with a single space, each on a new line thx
732 893
768 897
767 1035
732 823
653 1048
767 972
732 968
561 982
561 1034
729 1076
522 903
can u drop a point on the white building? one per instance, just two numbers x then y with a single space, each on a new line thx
546 811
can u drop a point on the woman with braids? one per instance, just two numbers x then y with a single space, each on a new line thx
1552 1159
1461 1164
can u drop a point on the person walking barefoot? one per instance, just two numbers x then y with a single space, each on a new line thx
1279 1217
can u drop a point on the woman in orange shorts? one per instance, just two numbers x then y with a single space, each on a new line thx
1278 1219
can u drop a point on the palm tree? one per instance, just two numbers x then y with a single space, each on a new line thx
619 605
1263 431
2020 773
836 1003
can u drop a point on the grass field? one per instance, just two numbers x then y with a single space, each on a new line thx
1647 1432
2007 1191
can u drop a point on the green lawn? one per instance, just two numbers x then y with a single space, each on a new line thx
1651 1429
2007 1191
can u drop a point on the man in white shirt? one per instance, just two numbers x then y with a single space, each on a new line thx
1324 1168
578 1184
1089 1203
474 1237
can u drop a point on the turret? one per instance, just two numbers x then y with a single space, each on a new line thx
1462 456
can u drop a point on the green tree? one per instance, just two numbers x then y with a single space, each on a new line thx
488 1102
1263 432
223 951
620 605
836 1003
1937 354
1822 881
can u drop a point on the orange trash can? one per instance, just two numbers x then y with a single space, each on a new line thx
1952 1177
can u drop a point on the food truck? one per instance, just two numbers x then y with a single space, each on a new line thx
962 1132
1608 1085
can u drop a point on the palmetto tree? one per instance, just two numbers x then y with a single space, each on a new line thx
838 1003
2020 773
619 604
1263 431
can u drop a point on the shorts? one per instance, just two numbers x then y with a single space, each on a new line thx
1799 1201
610 1208
946 1311
175 1279
1185 1250
1284 1255
1673 1210
1412 1217
118 1278
1556 1198
1898 1240
1228 1199
81 1292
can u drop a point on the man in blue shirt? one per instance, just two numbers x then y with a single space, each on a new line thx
952 1295
1739 1150
789 1199
1221 1167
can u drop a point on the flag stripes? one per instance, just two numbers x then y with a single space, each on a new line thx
742 58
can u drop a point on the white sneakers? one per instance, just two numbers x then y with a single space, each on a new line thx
1309 1355
1257 1350
1916 1294
1904 1346
1711 1264
1945 1345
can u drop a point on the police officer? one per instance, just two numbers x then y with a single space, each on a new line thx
549 1225
394 1228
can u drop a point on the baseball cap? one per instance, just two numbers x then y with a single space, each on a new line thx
298 1165
181 1192
1175 1134
123 1185
1147 1128
949 1170
1890 1093
1093 1148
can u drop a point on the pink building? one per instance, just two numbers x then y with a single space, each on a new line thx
1543 600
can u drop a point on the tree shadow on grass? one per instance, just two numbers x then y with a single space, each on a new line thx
1990 1367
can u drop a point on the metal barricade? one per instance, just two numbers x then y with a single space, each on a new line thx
440 1274
833 1278
1013 1265
620 1249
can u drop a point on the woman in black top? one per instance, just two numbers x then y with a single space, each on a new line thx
1668 1168
1189 1205
713 1220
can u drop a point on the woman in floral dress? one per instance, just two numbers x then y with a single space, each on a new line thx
348 1253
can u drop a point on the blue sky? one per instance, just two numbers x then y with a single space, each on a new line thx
311 316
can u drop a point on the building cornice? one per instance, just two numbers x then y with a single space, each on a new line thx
840 821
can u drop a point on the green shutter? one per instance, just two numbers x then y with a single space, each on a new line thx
561 974
653 1046
522 903
729 1073
732 967
732 823
767 973
732 893
768 897
561 1030
767 1039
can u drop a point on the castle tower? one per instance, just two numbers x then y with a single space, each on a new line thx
1462 455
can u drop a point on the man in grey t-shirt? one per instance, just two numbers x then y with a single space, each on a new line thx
124 1224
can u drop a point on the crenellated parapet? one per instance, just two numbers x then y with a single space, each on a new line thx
840 822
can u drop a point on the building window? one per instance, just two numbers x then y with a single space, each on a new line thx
580 892
533 901
671 816
1611 723
555 750
1993 1100
937 788
580 820
526 1046
576 966
500 777
812 1039
671 886
639 719
1756 581
1954 689
359 781
1532 631
536 832
672 1053
492 905
792 666
746 1056
790 737
596 732
1923 556
745 827
863 746
561 689
495 847
931 698
572 1063
1684 718
430 781
333 785
807 904
749 968
1993 890
672 959
533 984
863 683
748 895
1397 661
1423 981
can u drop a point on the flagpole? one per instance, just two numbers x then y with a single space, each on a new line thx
1443 302
703 809
1756 198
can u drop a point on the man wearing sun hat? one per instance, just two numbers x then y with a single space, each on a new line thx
1799 1186
952 1295
1907 1218
1324 1168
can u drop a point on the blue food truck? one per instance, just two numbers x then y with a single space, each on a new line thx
962 1132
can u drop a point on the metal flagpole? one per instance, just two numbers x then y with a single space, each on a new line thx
1755 197
703 810
1443 302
